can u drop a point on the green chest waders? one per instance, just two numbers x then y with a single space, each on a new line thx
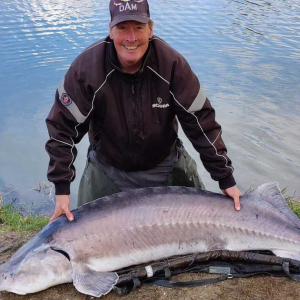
96 184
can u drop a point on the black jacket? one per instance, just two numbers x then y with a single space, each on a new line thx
131 118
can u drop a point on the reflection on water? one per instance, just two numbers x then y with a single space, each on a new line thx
245 53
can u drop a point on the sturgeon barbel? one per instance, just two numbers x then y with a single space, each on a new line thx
145 225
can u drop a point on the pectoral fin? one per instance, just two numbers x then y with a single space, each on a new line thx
91 282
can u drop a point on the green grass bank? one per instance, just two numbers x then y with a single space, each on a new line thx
12 220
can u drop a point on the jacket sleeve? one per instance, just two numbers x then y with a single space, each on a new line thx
197 118
67 123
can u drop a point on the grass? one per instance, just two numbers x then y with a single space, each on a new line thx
294 206
12 220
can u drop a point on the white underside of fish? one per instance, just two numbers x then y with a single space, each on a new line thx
234 239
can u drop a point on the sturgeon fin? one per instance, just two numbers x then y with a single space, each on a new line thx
271 194
91 282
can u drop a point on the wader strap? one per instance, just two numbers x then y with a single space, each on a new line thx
241 270
242 264
226 270
136 282
194 283
286 269
168 273
127 288
229 271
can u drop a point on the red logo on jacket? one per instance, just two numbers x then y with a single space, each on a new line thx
65 99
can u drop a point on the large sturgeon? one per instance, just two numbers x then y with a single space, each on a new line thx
146 225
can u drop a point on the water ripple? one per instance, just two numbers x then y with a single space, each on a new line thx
246 54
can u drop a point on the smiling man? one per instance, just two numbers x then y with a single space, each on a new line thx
131 41
128 91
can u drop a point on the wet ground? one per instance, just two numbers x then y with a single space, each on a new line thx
254 288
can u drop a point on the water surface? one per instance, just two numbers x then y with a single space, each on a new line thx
246 55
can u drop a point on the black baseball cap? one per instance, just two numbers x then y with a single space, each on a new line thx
129 10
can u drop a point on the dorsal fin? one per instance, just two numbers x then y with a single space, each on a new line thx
271 194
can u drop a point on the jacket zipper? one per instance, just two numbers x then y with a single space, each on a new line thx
136 141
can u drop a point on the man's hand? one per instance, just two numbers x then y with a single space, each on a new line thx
235 194
62 207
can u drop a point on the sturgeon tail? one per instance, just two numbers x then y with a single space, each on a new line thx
269 198
272 194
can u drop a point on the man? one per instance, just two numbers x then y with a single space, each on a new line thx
127 92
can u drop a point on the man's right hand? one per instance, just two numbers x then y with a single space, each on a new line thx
62 207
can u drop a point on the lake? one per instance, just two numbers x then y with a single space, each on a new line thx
246 55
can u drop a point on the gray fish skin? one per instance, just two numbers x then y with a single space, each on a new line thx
146 225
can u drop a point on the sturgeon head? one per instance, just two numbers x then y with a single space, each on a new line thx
34 267
40 264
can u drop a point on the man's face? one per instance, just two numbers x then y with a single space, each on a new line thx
131 41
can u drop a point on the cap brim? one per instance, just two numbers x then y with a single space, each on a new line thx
137 18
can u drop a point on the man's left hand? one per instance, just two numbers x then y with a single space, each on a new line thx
235 194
